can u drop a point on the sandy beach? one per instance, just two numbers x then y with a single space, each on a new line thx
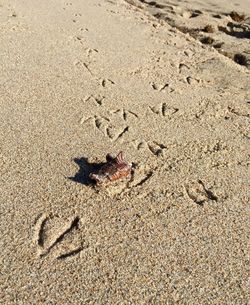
160 81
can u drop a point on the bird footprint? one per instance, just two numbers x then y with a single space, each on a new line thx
54 234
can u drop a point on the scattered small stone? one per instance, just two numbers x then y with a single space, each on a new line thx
207 40
218 45
209 29
240 59
236 16
217 16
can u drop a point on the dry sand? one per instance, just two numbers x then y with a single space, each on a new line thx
80 79
223 24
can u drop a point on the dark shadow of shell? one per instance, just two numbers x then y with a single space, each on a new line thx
85 168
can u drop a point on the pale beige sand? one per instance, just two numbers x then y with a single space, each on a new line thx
80 79
222 24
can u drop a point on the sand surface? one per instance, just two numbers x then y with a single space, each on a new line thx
81 79
224 25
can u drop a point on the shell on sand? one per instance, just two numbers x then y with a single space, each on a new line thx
113 169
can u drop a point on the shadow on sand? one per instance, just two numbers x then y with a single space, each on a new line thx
85 168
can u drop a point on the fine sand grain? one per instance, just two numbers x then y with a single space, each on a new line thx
222 25
81 79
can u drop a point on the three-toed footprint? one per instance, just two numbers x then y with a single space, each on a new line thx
58 237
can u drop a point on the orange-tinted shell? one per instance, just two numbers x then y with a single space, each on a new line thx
114 169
